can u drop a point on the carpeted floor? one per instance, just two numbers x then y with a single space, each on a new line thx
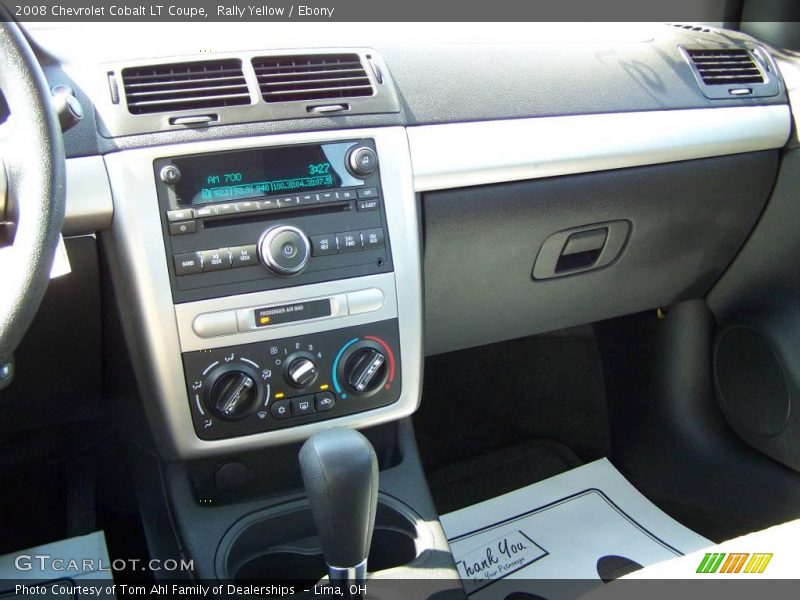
499 417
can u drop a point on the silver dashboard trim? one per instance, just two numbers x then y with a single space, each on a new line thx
186 313
89 206
139 270
465 154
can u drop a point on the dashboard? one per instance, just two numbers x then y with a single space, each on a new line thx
288 246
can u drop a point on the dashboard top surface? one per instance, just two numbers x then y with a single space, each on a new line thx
443 73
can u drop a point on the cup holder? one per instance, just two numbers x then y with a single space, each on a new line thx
279 546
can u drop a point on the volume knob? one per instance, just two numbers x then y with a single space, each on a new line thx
284 249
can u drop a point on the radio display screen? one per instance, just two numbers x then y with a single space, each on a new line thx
254 174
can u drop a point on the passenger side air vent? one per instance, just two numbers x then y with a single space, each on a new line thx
311 77
718 67
185 86
732 72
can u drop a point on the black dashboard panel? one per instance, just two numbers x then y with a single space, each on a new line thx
449 74
687 221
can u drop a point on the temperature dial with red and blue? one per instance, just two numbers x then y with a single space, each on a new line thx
363 367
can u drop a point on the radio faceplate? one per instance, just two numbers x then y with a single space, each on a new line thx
268 218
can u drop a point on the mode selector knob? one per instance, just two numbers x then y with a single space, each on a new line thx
233 395
362 161
284 249
302 372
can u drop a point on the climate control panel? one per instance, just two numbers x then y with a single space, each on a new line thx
264 386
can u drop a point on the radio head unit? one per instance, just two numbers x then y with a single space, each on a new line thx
250 220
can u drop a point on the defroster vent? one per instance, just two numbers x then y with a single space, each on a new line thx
313 77
185 86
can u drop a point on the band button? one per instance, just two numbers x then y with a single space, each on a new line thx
188 263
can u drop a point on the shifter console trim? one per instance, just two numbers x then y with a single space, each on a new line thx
159 331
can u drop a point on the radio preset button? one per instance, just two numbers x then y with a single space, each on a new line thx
349 241
244 256
346 195
289 201
181 214
327 197
216 260
182 227
367 205
372 238
189 263
226 209
306 199
206 211
246 206
323 245
267 204
370 192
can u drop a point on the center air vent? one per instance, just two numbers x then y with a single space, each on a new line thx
311 77
185 86
720 67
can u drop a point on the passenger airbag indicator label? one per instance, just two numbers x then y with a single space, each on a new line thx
288 313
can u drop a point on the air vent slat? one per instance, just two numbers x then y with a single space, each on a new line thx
182 82
316 91
308 69
302 74
196 91
185 86
725 66
167 76
309 84
205 99
311 77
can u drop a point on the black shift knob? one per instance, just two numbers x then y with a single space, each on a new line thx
340 473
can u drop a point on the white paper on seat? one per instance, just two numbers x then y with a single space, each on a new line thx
532 539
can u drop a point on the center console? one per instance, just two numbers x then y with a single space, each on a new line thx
272 285
270 288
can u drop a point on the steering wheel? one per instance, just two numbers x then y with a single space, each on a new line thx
32 186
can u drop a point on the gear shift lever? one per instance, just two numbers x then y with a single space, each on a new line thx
340 473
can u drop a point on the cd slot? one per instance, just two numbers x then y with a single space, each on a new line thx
276 214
